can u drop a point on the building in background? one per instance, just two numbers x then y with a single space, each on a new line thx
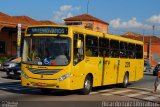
8 32
151 46
88 22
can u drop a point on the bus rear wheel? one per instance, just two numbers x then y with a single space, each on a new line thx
125 81
87 85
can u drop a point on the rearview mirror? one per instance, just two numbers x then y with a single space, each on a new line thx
79 43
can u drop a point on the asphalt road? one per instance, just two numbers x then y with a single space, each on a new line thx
13 94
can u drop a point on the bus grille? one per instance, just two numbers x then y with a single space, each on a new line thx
44 71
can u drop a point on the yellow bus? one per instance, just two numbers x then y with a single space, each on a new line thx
72 58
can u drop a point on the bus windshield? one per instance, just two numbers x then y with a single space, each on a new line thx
46 50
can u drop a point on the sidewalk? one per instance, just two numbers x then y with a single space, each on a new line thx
151 73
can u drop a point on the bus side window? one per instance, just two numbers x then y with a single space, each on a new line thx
91 46
123 50
114 48
139 51
131 50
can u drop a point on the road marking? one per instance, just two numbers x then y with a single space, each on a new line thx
148 89
94 93
134 95
150 98
107 94
157 96
116 92
6 94
121 91
158 88
101 91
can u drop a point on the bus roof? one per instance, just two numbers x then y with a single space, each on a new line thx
91 32
109 36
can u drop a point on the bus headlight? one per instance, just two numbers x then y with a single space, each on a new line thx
64 77
24 75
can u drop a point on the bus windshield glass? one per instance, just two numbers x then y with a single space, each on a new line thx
46 50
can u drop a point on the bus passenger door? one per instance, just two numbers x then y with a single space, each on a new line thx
78 61
111 64
111 71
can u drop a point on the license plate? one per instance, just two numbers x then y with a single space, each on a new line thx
41 84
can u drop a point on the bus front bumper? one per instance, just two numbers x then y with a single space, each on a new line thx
46 83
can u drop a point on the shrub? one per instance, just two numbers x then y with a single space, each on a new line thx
3 59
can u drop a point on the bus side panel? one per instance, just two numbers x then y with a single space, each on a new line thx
139 69
94 65
115 69
79 72
130 65
133 66
90 65
110 71
122 68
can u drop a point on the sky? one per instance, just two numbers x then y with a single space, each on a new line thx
139 16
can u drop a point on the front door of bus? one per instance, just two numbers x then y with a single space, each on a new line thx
78 61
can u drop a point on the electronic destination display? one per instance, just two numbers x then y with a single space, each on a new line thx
47 30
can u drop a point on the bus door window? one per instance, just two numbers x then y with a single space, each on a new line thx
91 46
103 47
78 52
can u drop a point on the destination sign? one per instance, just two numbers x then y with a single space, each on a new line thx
47 30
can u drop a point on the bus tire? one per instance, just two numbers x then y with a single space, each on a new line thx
87 87
125 81
45 90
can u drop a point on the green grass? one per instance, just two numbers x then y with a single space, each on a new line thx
3 59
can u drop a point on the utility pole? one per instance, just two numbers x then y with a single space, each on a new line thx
143 36
153 29
87 6
19 35
150 42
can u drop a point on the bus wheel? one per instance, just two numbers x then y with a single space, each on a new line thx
45 90
125 81
87 85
